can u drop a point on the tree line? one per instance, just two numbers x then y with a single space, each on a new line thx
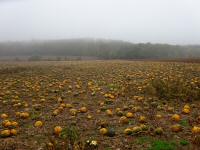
97 48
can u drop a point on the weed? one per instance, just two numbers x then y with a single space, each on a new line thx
184 123
184 142
70 133
162 145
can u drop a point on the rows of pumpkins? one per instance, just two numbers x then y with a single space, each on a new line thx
10 128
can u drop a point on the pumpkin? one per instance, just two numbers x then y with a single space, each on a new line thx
159 131
142 119
55 112
196 130
68 106
13 132
57 130
6 123
111 132
83 109
109 112
129 115
24 115
119 113
5 133
137 109
128 131
118 109
136 129
176 117
89 116
186 106
14 124
17 114
73 112
158 116
4 116
123 120
186 111
62 105
176 128
103 131
38 124
144 127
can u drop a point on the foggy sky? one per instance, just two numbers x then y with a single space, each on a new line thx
156 21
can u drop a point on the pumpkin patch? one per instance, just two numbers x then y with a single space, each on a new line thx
99 104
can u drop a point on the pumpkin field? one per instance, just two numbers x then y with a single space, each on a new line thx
99 105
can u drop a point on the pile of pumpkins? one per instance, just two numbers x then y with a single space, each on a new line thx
9 127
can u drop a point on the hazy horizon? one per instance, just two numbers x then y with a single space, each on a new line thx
135 21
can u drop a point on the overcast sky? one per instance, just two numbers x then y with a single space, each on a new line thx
156 21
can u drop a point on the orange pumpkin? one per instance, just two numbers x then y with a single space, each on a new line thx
57 130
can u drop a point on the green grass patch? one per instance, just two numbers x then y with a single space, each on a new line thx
184 142
162 145
70 133
184 123
35 115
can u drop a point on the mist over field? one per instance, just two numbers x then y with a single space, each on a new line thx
82 49
106 29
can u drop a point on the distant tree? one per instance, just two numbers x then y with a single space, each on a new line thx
101 49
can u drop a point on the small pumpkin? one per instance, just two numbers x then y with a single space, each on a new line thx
158 116
89 116
196 130
159 131
176 128
57 130
68 105
38 124
103 131
142 119
129 115
186 106
14 124
4 116
144 127
6 123
24 115
73 111
5 133
109 112
119 113
128 131
111 132
186 111
83 109
123 120
55 112
13 132
176 117
136 129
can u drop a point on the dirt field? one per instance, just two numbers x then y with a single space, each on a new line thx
105 105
